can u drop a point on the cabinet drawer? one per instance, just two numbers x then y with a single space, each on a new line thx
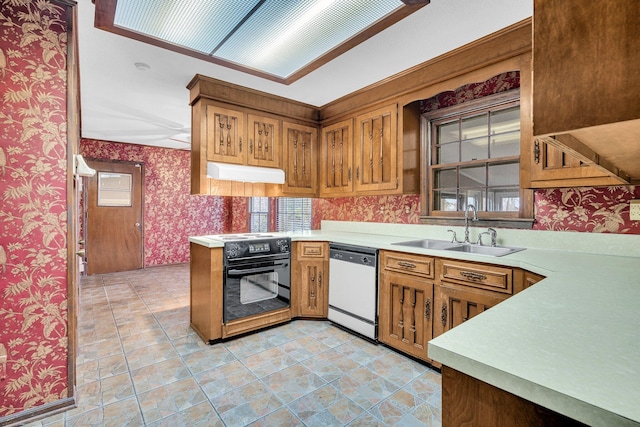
410 264
312 250
481 276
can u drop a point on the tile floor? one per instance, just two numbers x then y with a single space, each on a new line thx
139 363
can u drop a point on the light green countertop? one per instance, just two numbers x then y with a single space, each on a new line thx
571 343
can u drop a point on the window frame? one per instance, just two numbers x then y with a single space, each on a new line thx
272 213
512 219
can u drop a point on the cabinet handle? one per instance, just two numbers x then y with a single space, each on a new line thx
473 276
536 151
251 146
240 144
427 308
358 173
406 264
349 174
319 280
444 314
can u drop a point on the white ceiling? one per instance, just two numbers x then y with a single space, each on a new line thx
123 104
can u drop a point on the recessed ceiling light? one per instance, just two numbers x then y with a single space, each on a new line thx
142 66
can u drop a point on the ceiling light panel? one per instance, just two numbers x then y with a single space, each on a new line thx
283 36
200 25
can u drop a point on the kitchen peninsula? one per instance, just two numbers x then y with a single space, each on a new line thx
569 343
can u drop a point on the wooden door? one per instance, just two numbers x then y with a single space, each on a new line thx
406 313
114 217
456 305
376 150
300 159
336 159
225 135
264 141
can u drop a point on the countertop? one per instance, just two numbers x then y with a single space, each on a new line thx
570 343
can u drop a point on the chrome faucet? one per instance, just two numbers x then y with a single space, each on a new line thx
466 220
491 232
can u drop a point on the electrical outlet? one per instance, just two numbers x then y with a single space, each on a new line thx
634 210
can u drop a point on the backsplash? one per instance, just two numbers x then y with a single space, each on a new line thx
586 209
402 209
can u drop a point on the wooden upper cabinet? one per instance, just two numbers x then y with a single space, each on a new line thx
264 141
300 159
225 140
336 159
376 150
553 166
586 57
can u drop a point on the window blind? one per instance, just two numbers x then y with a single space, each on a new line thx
293 214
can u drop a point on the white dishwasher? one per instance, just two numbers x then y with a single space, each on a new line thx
353 288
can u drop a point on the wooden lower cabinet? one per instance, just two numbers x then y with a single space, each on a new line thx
457 304
465 289
405 313
469 401
309 275
206 272
405 302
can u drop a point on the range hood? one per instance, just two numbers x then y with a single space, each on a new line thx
229 172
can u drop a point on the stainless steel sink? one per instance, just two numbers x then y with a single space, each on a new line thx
485 250
428 244
444 245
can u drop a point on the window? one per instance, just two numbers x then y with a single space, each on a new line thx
473 154
114 189
259 214
291 214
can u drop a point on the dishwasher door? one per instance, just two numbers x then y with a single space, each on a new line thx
353 289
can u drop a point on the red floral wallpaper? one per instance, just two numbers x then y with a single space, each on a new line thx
496 84
171 213
586 209
595 210
33 214
404 209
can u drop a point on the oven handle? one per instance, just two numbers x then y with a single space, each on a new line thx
240 272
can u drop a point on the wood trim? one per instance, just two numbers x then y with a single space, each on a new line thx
576 148
238 96
39 412
73 147
259 321
410 84
106 9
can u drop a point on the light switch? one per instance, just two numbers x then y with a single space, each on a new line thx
634 210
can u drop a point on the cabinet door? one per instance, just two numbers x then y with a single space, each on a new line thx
551 168
225 133
376 150
313 301
406 313
300 160
336 159
456 305
264 141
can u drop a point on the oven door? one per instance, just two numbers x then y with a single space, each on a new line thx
256 286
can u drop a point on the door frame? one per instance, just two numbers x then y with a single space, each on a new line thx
85 206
